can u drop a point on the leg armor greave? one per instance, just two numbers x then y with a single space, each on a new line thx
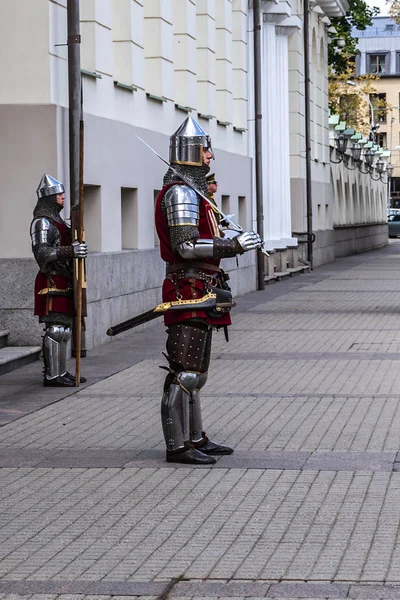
55 343
188 349
175 412
196 422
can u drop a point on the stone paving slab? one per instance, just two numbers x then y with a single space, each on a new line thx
309 341
116 525
307 392
304 423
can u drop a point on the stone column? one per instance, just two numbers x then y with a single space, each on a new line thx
276 148
270 129
284 224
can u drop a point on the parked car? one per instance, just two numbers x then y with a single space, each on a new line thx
394 223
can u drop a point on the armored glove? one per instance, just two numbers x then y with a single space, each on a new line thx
228 247
249 240
79 249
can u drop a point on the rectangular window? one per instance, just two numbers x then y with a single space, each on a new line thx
381 139
378 102
242 217
92 203
378 63
156 239
129 218
225 203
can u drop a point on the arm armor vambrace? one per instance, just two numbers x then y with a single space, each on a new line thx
215 248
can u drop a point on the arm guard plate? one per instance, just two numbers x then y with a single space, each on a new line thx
40 232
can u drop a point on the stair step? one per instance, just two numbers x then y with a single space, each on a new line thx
3 337
301 269
14 357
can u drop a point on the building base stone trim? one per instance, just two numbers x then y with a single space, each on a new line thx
354 239
120 286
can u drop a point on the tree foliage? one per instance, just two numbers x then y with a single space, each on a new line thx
360 16
394 10
351 102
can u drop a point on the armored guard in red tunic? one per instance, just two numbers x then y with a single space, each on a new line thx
192 247
54 251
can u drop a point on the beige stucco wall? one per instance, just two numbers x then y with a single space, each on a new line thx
391 87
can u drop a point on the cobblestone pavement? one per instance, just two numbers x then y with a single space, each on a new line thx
307 392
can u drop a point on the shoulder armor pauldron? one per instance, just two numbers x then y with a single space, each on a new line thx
181 205
40 228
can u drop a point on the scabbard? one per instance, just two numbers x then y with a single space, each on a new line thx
207 302
134 322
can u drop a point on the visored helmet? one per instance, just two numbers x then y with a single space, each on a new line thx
49 186
187 144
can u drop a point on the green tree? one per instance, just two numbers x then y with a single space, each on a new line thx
360 16
394 10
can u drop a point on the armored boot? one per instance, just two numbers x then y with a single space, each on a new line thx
197 435
175 418
55 356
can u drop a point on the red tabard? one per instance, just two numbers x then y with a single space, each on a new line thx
46 303
188 288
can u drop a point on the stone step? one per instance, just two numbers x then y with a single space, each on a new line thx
277 276
3 337
302 269
14 357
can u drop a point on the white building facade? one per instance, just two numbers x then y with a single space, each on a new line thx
146 65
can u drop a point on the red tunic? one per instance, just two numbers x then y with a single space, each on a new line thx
188 288
46 303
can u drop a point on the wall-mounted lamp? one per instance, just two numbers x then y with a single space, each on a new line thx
363 159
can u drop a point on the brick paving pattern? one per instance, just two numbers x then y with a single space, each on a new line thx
307 392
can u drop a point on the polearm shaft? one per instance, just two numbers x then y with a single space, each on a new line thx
235 226
75 142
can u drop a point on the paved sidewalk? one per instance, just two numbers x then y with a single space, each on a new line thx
307 392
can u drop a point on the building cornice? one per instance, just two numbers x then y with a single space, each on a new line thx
334 8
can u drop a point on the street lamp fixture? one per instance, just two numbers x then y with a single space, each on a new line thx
341 141
369 157
356 152
362 160
389 173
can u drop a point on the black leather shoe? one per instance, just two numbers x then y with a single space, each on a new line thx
217 449
61 381
190 457
72 377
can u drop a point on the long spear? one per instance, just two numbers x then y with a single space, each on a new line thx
76 162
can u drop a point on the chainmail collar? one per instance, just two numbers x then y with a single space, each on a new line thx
195 176
48 207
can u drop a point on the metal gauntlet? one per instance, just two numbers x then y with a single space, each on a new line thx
249 240
79 249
